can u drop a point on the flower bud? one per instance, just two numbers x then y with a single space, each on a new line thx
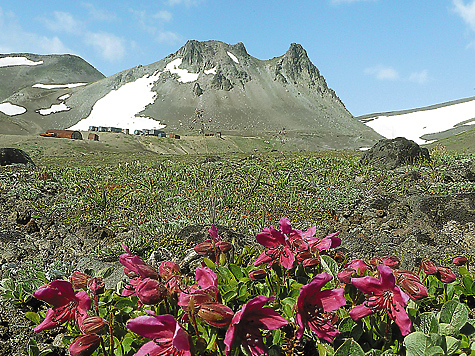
391 261
411 284
301 256
339 256
375 261
130 274
204 248
429 267
85 345
445 275
224 246
96 285
258 275
311 262
150 291
92 325
460 260
78 280
215 314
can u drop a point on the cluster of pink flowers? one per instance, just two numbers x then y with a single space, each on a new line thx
384 287
286 245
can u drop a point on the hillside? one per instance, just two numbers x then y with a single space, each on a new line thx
238 94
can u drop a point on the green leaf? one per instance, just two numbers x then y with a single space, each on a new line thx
427 323
105 272
349 347
453 345
127 343
417 344
33 349
210 264
454 313
469 328
287 307
330 266
236 271
34 317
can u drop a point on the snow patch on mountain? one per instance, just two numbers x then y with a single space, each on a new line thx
185 75
58 86
17 61
210 71
53 109
233 57
11 109
413 125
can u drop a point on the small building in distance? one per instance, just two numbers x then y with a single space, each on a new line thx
172 135
93 137
71 134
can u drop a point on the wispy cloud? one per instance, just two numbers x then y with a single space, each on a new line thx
382 72
337 2
183 2
466 12
154 25
107 45
13 38
419 77
98 14
62 22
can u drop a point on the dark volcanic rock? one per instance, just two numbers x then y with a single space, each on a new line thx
15 156
460 171
393 153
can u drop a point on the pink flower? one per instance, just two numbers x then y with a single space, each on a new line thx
168 338
411 284
329 241
314 307
66 305
206 293
150 291
247 322
170 273
135 264
278 248
354 268
383 294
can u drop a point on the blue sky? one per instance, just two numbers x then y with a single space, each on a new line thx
378 55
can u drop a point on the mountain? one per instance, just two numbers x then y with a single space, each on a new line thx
426 124
237 93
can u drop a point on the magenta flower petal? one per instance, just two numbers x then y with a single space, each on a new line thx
284 225
205 277
246 323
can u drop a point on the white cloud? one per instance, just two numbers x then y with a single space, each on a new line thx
99 14
13 38
184 2
419 77
466 12
62 22
382 72
107 45
336 2
169 37
163 15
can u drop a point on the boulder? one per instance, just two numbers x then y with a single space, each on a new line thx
392 153
15 156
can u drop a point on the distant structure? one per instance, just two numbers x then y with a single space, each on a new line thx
93 137
71 134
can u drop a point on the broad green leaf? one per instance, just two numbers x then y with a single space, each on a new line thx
127 343
105 272
417 343
330 266
454 313
236 271
427 323
349 347
469 328
210 264
34 317
434 351
453 345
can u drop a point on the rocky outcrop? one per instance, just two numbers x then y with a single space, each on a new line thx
392 153
15 156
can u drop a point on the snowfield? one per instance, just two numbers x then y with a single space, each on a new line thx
17 61
120 107
58 86
11 109
413 125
